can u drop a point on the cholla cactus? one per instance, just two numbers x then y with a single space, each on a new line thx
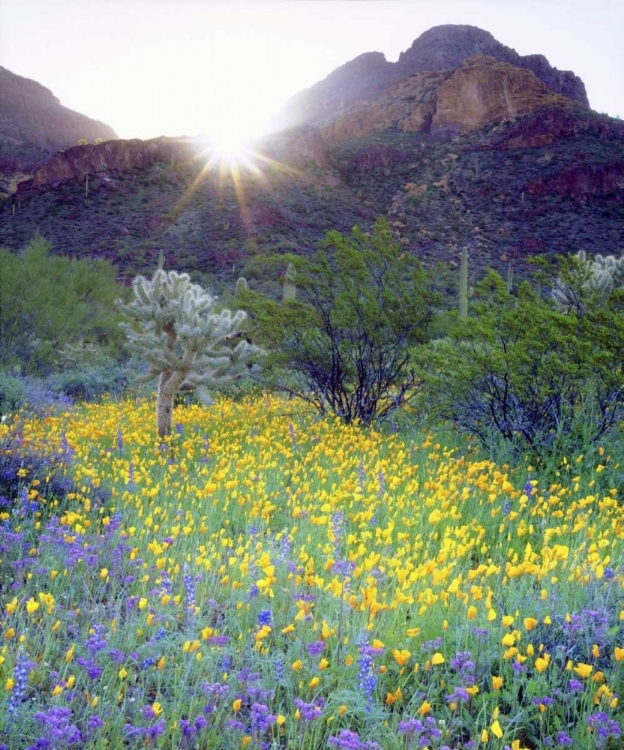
597 276
607 273
185 341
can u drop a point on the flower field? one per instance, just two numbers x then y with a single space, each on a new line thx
269 579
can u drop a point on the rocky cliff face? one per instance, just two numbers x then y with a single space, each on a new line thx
299 148
441 48
34 124
482 91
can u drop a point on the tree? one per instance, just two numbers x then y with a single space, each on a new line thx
540 377
50 303
343 341
187 343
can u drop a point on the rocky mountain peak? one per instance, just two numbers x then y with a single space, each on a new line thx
440 48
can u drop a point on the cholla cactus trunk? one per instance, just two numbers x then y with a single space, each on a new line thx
169 383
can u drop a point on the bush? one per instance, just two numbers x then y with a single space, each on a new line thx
343 343
542 379
62 389
51 303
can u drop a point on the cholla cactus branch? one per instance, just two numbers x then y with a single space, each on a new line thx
177 330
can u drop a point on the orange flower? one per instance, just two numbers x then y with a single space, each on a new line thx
401 657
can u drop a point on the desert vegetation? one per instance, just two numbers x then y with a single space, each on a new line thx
403 530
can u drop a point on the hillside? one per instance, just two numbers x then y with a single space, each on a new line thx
550 182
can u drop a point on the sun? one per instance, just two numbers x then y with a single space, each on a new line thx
228 144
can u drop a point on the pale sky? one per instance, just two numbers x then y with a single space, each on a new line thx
183 67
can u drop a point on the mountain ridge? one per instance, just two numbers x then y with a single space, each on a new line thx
34 124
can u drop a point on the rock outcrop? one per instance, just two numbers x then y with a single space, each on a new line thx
34 124
438 49
582 181
552 125
109 157
482 91
299 147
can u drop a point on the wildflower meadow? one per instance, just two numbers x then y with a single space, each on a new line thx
267 578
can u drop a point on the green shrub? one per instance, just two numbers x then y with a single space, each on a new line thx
541 379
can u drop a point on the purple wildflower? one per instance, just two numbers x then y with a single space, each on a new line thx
348 740
316 648
309 711
603 728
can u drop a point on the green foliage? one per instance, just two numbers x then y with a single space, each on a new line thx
50 303
184 339
520 369
343 343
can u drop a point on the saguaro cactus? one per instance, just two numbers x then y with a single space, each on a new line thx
290 290
186 343
463 285
241 286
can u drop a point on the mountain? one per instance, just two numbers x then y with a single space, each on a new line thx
439 48
34 125
483 154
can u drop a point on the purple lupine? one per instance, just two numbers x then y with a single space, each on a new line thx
189 591
381 481
366 678
343 567
20 682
